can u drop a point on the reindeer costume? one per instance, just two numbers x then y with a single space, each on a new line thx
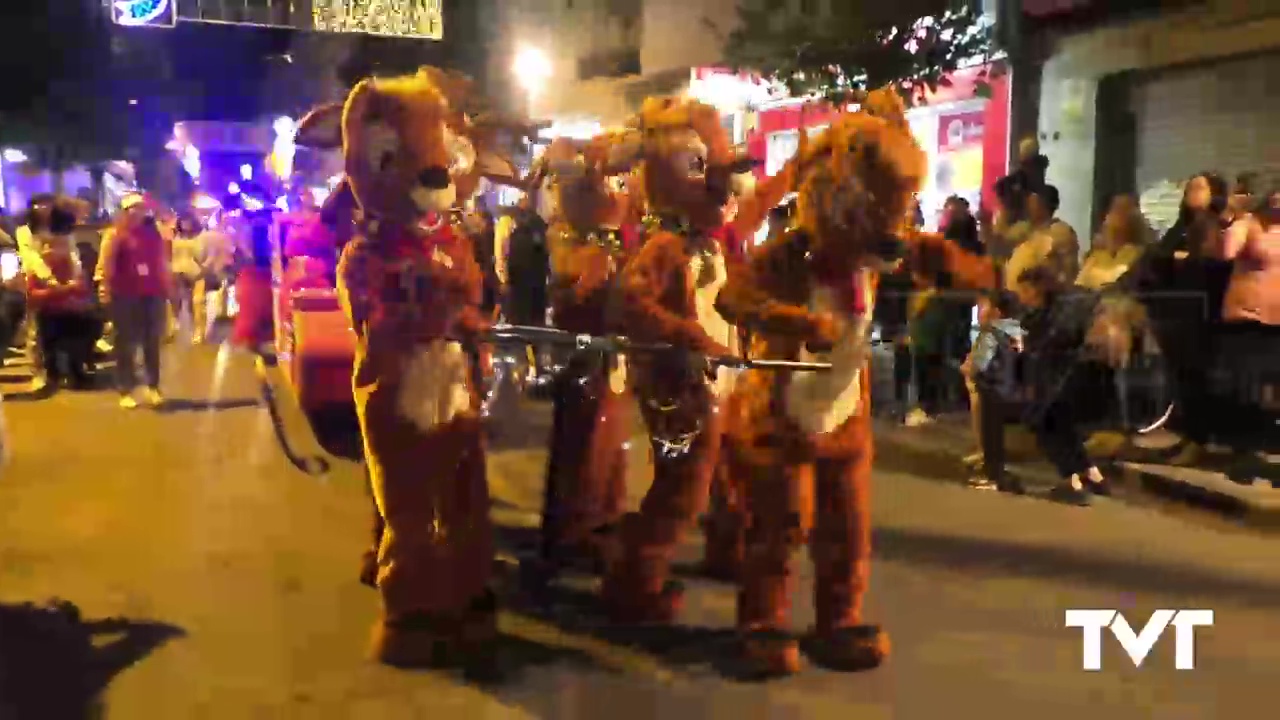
802 443
685 164
589 239
411 290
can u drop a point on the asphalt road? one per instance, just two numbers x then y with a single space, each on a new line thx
236 577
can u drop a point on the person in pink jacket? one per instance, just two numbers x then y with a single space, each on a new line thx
1249 343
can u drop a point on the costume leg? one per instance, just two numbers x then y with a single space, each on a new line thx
586 469
369 560
636 587
435 560
841 550
725 527
779 507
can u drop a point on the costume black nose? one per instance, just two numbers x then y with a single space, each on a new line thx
435 177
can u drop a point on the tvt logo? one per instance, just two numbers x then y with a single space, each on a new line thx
1138 645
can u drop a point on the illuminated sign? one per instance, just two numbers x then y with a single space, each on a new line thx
143 13
392 18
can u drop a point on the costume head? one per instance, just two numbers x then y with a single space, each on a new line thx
409 146
581 182
686 161
855 181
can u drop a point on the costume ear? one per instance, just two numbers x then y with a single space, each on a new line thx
321 128
355 114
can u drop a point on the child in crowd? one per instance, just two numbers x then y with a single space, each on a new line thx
993 368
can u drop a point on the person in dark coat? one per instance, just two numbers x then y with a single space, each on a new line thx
528 264
1182 288
1063 375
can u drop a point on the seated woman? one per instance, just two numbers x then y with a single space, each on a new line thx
1123 238
66 315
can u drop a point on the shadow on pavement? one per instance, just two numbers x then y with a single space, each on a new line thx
55 665
516 656
980 556
180 405
578 610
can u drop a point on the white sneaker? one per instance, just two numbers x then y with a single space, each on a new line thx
152 397
917 418
128 402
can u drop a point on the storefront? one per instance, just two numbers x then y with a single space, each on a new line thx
965 136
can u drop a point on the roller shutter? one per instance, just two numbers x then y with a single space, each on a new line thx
1223 117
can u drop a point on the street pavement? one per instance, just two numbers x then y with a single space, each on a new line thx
234 577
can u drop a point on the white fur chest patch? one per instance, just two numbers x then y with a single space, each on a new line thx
820 402
708 275
436 384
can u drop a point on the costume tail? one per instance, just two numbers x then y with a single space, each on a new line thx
313 465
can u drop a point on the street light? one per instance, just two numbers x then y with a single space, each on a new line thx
532 69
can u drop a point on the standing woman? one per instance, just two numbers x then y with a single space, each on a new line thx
133 282
1184 289
1249 338
186 269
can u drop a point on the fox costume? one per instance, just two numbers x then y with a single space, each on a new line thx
411 289
802 446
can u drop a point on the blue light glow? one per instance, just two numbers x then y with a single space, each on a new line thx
140 12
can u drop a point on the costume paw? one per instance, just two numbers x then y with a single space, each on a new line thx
627 607
850 649
766 655
369 569
416 641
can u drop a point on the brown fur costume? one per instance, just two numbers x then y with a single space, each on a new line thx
685 165
411 290
588 240
803 448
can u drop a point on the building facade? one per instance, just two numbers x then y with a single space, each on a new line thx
1137 105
